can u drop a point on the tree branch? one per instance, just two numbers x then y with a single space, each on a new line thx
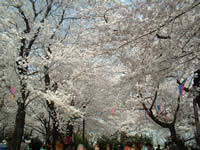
162 37
183 83
39 131
33 73
161 26
33 7
60 22
176 112
27 95
27 30
154 100
42 21
49 7
151 115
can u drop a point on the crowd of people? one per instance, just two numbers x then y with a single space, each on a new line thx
36 144
136 146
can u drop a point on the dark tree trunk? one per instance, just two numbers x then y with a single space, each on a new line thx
71 129
176 139
173 133
53 116
24 51
197 124
19 128
20 116
170 126
83 129
54 136
196 103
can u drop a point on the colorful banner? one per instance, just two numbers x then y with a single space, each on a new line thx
147 112
165 116
13 90
159 108
180 89
12 97
112 111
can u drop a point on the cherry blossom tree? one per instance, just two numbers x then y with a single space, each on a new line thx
152 40
38 29
96 53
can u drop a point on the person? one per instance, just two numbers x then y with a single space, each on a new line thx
149 146
96 147
138 146
81 147
128 147
73 147
158 147
115 147
108 147
36 144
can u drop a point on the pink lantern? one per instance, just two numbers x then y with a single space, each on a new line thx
112 111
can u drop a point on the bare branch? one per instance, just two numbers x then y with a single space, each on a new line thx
162 37
154 100
183 83
151 115
27 30
33 7
161 26
33 73
176 112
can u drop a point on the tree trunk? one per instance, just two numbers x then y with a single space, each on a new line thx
83 129
196 101
19 128
54 136
176 139
173 133
197 124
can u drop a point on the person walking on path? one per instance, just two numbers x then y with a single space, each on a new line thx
96 147
138 146
158 147
149 146
81 147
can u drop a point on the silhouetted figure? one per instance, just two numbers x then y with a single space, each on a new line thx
36 144
138 146
158 147
149 146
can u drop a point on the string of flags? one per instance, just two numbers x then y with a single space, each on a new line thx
112 111
180 89
13 92
159 110
147 112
